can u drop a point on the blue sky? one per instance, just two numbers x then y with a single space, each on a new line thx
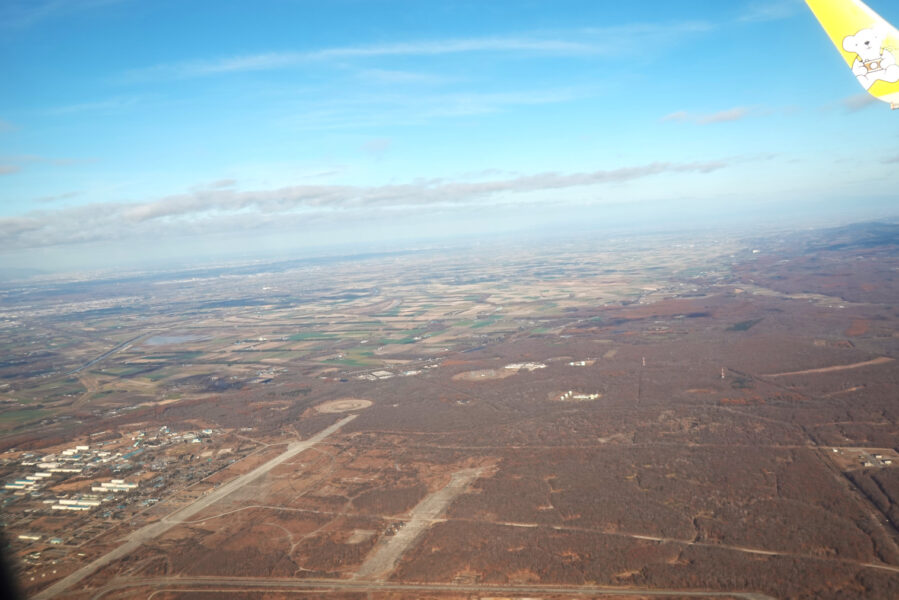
162 130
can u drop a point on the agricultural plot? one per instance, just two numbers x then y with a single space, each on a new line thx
627 417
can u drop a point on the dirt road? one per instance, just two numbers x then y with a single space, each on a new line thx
386 554
868 363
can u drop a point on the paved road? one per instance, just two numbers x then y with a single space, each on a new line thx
118 348
261 584
138 537
384 557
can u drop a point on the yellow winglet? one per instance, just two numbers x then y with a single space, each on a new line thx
868 44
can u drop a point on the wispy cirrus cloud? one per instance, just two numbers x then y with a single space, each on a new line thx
461 46
377 147
393 76
612 41
24 13
56 197
723 116
376 110
858 102
761 12
217 207
6 126
16 163
680 115
109 104
221 184
269 61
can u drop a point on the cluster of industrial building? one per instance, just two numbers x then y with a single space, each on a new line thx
75 460
528 366
80 502
81 459
877 460
868 458
74 493
68 462
382 374
582 363
572 396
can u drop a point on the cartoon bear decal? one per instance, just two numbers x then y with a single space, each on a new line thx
873 62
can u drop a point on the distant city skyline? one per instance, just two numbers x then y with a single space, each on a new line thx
149 131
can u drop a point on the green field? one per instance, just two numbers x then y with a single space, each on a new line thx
311 336
17 417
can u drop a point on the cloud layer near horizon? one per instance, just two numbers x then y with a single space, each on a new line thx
217 208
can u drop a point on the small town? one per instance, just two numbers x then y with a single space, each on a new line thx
57 502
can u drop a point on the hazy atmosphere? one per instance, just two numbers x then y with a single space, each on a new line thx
457 300
141 131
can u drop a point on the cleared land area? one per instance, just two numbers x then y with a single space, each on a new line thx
385 556
868 363
343 405
484 375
